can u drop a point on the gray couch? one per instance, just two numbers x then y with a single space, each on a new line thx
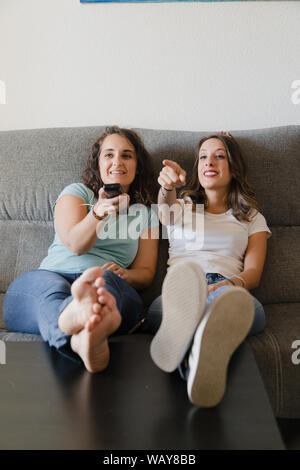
37 164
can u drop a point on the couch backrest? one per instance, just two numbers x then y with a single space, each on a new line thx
37 164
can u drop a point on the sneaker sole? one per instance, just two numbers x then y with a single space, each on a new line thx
228 322
184 294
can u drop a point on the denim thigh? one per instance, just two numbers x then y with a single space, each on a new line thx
33 303
129 302
35 300
259 320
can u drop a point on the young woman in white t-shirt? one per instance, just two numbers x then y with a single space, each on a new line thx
218 243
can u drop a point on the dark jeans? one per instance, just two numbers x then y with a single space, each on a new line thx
35 300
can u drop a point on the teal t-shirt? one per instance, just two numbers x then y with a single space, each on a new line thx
117 242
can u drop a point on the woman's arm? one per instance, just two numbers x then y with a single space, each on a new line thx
167 196
76 227
254 260
253 264
172 176
142 270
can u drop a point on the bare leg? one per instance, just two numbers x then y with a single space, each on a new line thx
90 318
91 342
85 301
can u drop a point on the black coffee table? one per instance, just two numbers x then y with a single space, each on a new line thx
48 402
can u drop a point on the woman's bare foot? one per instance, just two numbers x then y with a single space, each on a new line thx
91 342
85 301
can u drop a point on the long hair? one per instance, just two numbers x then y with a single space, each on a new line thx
240 197
143 189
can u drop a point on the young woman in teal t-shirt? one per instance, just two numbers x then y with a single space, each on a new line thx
86 288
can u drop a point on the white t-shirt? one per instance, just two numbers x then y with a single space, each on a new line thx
219 242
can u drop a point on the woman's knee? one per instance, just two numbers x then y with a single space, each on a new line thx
20 282
31 289
211 295
39 280
259 320
154 316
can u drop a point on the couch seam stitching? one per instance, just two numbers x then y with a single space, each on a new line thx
278 369
48 221
280 374
18 252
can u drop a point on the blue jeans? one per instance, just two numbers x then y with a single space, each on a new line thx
35 300
155 310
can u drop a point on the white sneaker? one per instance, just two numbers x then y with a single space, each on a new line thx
224 326
184 295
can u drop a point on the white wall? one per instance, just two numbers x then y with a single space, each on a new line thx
161 65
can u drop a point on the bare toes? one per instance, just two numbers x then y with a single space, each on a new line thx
101 290
105 310
93 321
96 308
107 302
90 274
99 282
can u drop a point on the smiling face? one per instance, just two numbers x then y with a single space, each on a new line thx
117 161
213 166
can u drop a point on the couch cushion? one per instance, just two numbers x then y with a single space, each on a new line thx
24 244
37 164
271 155
279 282
273 352
2 324
9 336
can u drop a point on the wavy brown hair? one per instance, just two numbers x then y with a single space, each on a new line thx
143 188
240 197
